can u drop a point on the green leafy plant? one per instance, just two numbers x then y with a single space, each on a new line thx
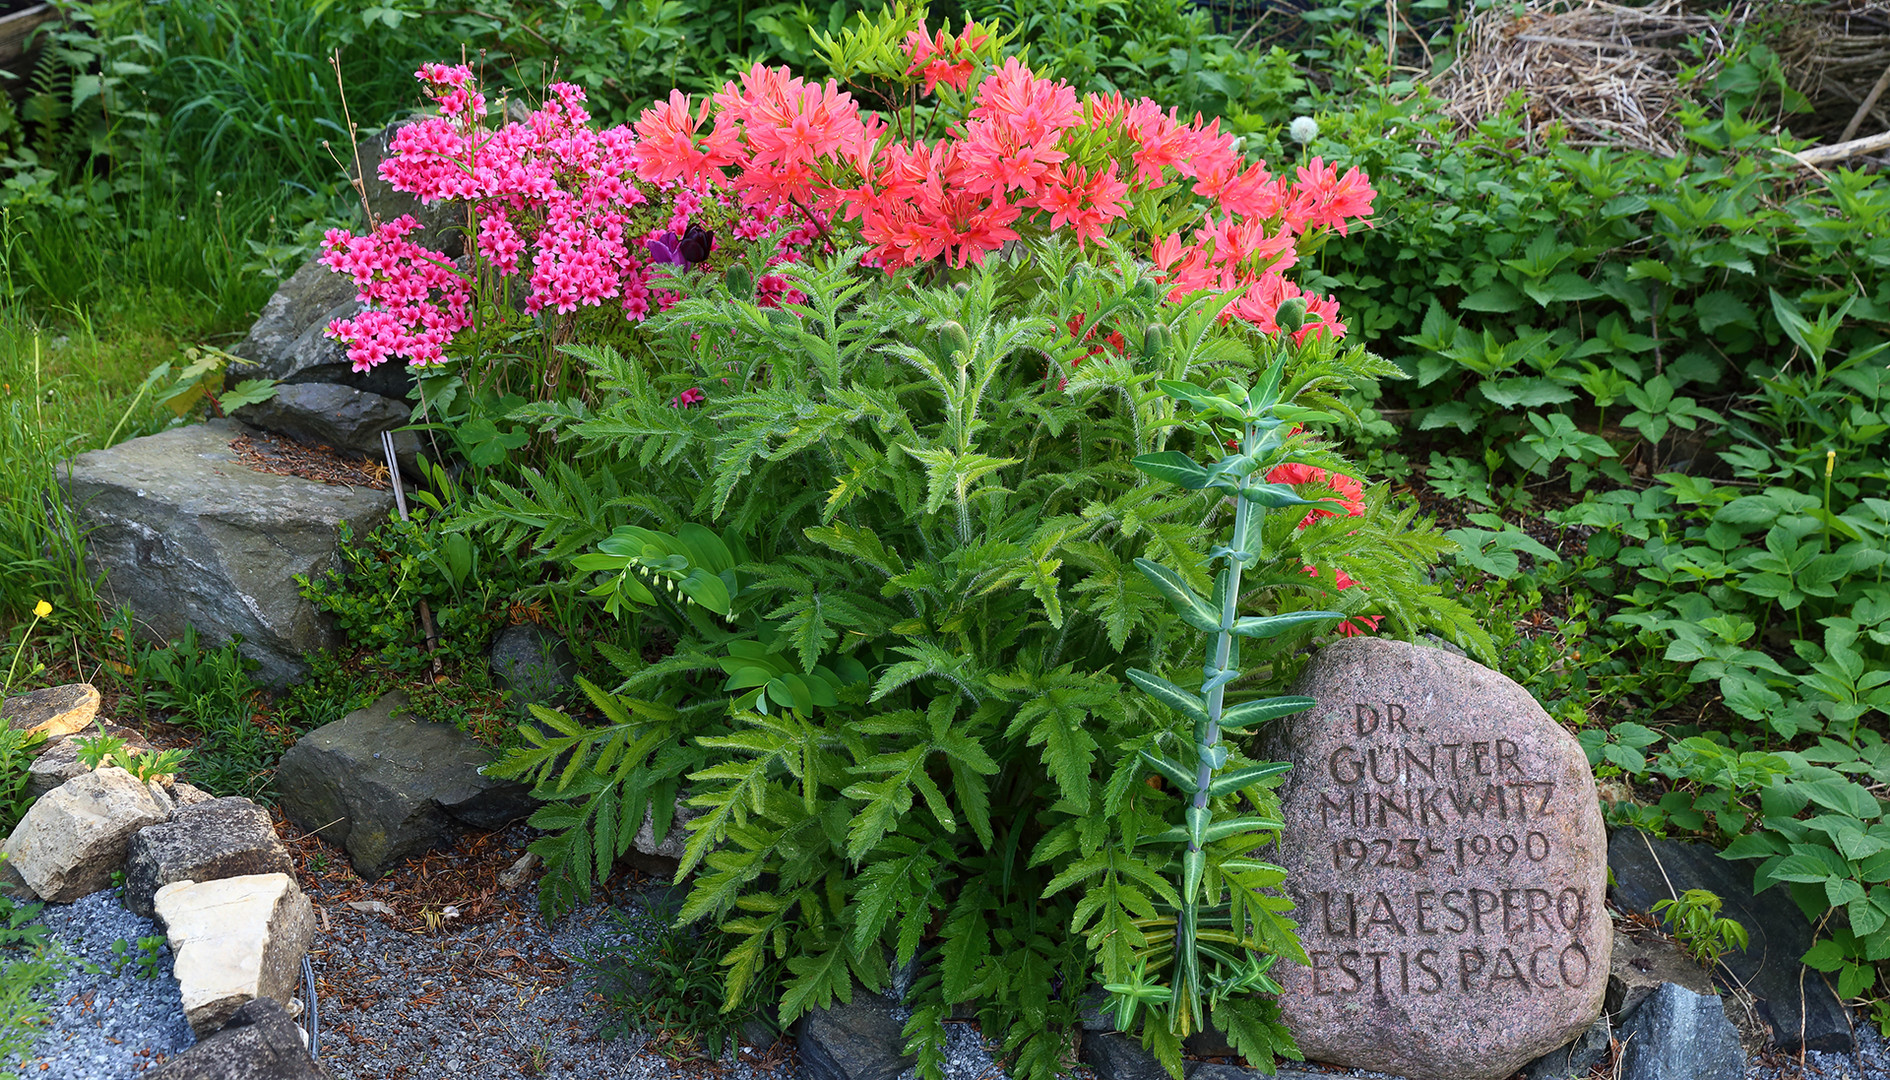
208 691
14 760
150 958
913 599
669 985
1210 949
106 749
1698 927
26 970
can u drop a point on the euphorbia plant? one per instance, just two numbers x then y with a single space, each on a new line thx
1208 946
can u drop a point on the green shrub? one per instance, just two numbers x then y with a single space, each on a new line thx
14 761
898 694
384 577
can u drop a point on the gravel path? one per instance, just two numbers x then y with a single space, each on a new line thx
407 1002
406 992
107 1018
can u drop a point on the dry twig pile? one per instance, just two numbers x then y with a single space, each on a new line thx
1608 73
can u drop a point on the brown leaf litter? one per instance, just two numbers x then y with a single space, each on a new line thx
286 457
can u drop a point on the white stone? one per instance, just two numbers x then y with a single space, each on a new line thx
73 839
676 841
235 940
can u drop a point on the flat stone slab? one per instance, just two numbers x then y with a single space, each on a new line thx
1445 849
53 711
235 940
1791 998
188 535
336 416
385 787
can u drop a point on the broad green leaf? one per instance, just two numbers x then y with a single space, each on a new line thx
1169 694
1194 610
1175 467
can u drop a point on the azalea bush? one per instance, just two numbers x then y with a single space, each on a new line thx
974 151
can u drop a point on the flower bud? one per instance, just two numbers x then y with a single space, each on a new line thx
1292 315
1156 339
1144 291
741 281
952 339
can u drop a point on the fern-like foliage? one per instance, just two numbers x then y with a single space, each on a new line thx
934 483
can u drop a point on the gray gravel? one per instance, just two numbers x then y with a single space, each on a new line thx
400 1001
99 1025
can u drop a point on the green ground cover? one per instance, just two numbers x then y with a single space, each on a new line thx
1637 421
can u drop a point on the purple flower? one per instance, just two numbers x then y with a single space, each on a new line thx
663 248
692 247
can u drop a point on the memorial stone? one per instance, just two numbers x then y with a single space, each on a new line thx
1445 849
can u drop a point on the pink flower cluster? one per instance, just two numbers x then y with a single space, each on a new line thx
1028 154
549 189
774 155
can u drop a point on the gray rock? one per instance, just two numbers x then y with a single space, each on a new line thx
259 1042
53 711
1116 1056
1677 1034
1641 965
75 836
1576 1060
187 535
288 341
341 417
533 664
385 787
1791 998
13 886
207 841
858 1040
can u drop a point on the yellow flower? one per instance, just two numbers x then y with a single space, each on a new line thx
42 609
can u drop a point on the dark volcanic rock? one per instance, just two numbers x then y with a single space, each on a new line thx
859 1040
1578 1059
385 787
207 841
1677 1034
259 1042
1647 871
1445 850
